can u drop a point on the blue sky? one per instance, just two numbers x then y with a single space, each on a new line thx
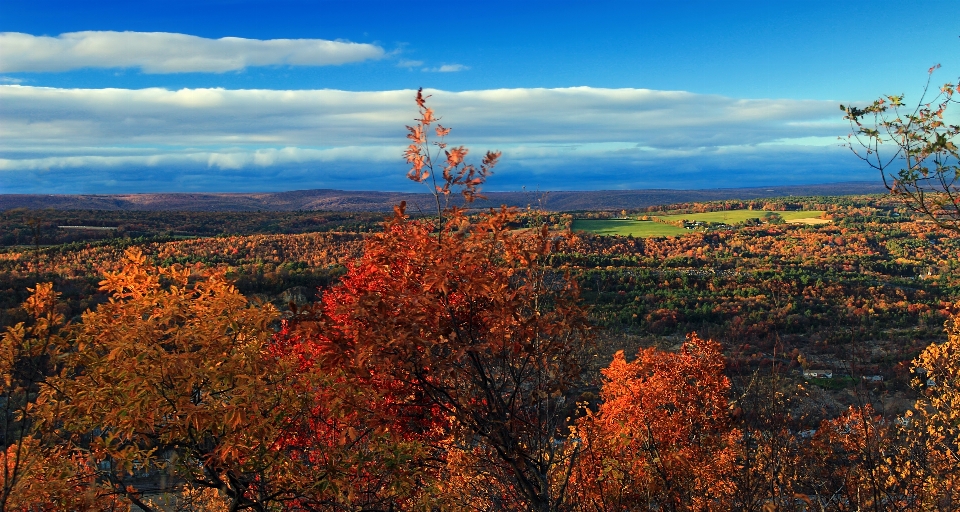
116 97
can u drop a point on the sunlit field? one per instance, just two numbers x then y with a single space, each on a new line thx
627 227
649 228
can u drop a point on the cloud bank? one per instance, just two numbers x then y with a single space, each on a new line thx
164 52
99 140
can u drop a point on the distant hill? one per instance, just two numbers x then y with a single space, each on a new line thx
340 200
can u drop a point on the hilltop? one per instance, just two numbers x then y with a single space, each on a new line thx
371 201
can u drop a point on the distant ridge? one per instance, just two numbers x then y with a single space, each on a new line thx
340 200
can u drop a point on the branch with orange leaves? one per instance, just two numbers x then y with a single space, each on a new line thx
454 171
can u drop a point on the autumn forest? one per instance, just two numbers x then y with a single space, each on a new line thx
495 359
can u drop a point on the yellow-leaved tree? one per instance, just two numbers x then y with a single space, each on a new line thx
935 423
36 472
170 384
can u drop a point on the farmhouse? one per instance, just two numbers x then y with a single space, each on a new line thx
818 374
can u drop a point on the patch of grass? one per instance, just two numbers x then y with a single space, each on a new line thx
835 383
735 216
637 228
645 228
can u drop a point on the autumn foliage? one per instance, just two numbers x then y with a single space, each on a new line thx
661 438
473 344
172 379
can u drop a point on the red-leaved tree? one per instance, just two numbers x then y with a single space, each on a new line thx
473 346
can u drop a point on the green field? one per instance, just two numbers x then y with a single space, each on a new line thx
835 383
623 227
735 216
646 228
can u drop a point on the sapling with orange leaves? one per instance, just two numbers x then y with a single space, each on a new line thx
456 175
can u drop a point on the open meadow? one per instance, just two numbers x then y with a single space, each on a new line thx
626 227
651 228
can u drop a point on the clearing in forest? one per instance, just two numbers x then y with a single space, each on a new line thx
624 227
649 228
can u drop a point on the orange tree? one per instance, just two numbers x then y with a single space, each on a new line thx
661 437
25 356
475 345
178 386
851 464
169 383
36 473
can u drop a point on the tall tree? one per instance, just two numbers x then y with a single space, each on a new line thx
460 322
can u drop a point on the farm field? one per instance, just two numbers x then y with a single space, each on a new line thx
647 228
626 227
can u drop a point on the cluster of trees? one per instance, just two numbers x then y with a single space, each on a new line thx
776 204
858 258
769 280
41 227
446 372
260 265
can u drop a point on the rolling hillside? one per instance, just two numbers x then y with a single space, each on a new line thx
339 200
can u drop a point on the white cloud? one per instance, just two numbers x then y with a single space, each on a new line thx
806 141
164 52
406 63
447 68
581 135
38 116
230 158
10 80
